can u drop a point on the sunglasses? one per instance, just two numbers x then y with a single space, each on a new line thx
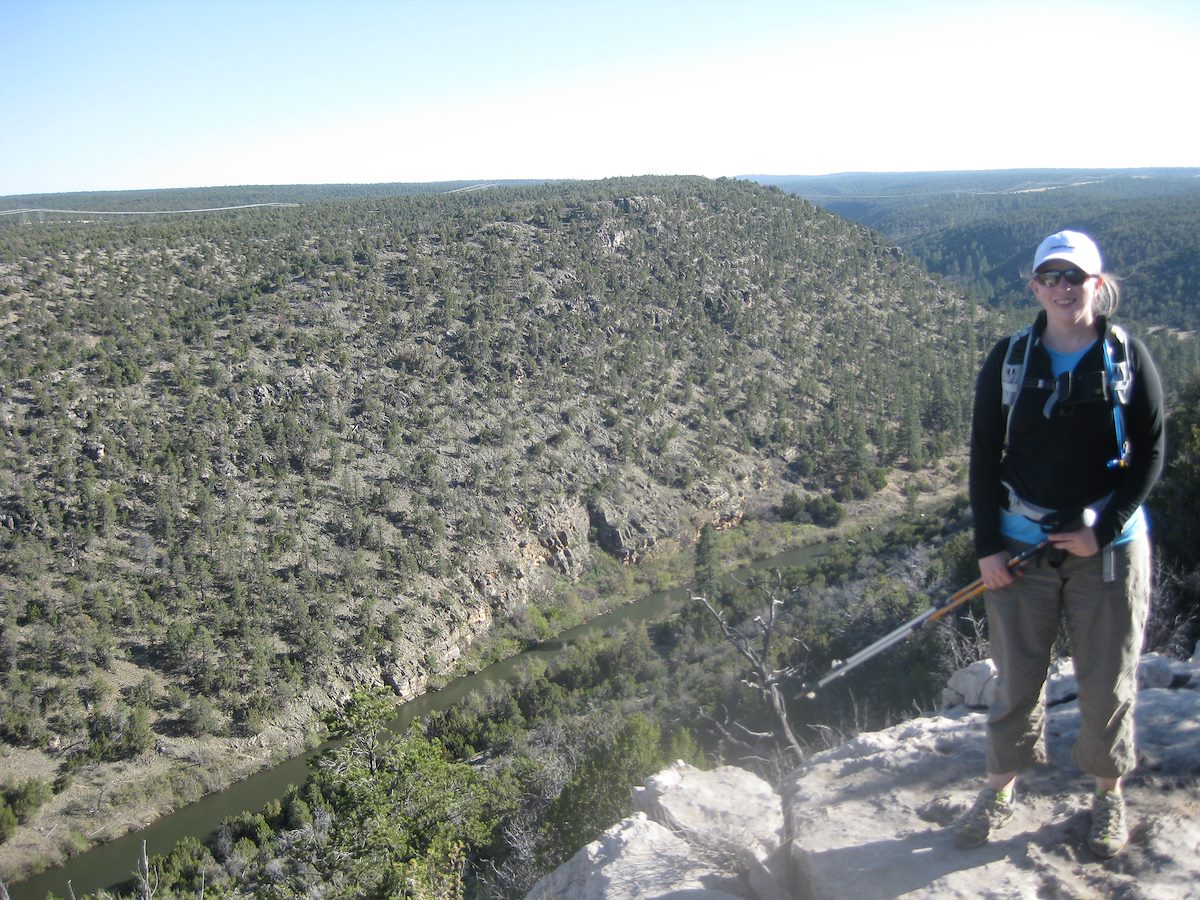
1051 277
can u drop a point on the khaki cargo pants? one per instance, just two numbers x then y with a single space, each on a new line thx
1105 621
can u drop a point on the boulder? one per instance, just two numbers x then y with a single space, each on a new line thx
635 858
1155 670
972 686
975 685
1061 686
726 814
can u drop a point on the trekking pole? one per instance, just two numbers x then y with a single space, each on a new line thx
935 612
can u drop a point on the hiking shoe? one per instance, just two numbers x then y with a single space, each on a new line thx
1108 834
989 812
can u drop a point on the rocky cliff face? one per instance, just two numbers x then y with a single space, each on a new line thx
868 819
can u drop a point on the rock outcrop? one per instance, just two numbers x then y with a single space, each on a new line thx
714 834
868 819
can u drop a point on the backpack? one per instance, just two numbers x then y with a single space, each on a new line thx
1117 382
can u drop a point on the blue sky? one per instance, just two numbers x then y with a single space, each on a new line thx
120 95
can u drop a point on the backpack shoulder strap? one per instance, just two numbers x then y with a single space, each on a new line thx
1012 373
1120 373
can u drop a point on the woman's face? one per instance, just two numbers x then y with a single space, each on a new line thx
1065 303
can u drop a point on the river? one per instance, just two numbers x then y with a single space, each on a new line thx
113 863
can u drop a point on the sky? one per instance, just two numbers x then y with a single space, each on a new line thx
125 94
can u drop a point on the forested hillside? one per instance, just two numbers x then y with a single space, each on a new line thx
256 459
978 229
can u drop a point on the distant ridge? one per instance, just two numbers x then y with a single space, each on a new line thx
141 212
976 228
231 196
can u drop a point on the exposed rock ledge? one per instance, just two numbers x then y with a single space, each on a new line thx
867 819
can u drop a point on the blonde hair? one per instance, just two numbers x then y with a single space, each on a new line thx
1108 295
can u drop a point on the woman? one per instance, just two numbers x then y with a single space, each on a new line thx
1067 440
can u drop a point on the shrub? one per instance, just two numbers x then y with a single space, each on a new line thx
8 822
825 511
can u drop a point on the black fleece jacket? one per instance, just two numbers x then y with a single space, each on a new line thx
1060 462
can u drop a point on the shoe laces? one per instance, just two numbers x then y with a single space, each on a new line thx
1108 814
988 806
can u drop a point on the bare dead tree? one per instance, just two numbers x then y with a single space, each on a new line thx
774 763
966 643
755 645
101 792
147 879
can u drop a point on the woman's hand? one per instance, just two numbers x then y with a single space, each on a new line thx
995 572
1077 543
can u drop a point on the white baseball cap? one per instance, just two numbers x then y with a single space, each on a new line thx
1070 246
